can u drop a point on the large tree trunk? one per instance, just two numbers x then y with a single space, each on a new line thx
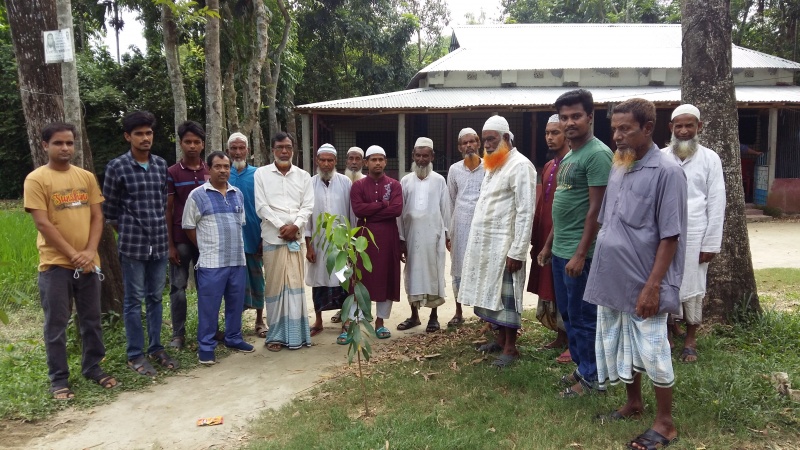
275 73
213 81
174 70
28 19
229 97
251 91
707 82
39 83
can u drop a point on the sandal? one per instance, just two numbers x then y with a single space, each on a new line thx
344 339
433 326
408 324
564 358
337 318
165 360
261 330
455 321
651 440
62 393
105 380
274 347
492 347
687 353
142 367
382 333
315 331
504 361
570 380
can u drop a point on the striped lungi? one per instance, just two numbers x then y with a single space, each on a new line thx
254 288
508 316
285 296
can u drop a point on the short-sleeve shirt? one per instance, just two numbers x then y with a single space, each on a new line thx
640 208
181 181
580 169
67 197
218 221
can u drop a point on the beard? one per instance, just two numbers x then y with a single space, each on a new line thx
496 159
625 158
239 164
353 175
684 148
422 172
471 160
283 164
323 175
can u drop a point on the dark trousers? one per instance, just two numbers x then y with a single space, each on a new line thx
178 280
580 317
212 285
56 287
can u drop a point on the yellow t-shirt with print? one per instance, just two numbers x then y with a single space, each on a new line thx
66 196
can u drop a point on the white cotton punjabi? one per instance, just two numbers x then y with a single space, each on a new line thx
705 217
464 188
423 227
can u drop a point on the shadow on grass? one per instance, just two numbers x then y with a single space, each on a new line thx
456 400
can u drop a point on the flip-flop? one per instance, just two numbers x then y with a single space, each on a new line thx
651 440
382 333
408 324
504 361
433 326
564 358
315 331
274 347
344 339
337 318
261 330
686 353
455 321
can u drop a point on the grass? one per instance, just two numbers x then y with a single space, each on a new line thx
456 400
18 258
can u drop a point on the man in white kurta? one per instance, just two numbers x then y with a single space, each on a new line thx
494 262
332 196
706 214
464 185
423 235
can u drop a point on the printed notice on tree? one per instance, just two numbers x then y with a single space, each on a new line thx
57 46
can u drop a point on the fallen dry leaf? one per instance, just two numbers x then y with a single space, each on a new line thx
434 355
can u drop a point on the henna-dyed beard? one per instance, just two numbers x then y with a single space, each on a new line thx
496 159
471 160
625 158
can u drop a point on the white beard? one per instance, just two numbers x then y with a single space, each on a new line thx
352 175
422 172
684 149
239 165
324 176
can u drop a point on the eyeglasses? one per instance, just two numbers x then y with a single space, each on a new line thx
283 147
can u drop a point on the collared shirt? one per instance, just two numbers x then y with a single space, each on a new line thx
136 198
218 220
252 231
331 198
464 186
181 181
283 200
640 208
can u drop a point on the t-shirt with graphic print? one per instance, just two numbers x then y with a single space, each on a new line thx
67 197
580 169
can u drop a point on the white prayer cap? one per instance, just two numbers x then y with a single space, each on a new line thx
356 150
424 142
497 123
465 132
686 109
375 150
237 137
326 148
553 119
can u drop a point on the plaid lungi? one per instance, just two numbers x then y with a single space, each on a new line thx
285 298
508 316
254 287
626 343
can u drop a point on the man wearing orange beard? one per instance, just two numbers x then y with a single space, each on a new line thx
494 261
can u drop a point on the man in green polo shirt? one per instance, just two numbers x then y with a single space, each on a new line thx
581 184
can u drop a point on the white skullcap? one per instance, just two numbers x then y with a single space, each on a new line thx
356 150
375 150
326 148
497 123
686 109
424 142
237 137
553 119
465 132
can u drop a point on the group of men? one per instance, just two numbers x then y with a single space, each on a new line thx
621 243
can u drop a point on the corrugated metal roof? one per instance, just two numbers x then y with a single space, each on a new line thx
578 46
422 99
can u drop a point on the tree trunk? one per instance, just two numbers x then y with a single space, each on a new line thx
274 75
69 83
213 80
39 83
707 82
229 97
251 91
174 70
28 19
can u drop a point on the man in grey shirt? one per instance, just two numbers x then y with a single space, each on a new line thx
638 268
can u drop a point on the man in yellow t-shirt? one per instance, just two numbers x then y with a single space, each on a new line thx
64 201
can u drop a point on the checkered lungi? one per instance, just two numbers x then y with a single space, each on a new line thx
254 287
626 343
508 316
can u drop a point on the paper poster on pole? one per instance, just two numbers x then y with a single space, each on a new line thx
57 46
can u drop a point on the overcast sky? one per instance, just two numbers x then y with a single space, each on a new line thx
132 32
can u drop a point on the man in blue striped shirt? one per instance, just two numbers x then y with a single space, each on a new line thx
135 189
213 219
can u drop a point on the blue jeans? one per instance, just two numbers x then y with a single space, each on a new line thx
212 285
580 317
143 279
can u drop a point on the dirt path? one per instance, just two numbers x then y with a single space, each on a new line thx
241 386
